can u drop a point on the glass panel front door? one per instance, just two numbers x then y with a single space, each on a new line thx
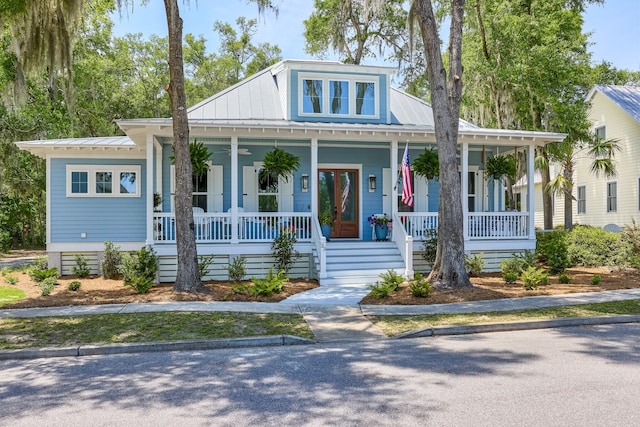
338 194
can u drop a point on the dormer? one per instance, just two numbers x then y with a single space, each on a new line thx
314 91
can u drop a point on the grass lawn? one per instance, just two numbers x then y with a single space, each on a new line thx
9 295
393 325
145 327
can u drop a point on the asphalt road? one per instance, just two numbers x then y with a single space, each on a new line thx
585 376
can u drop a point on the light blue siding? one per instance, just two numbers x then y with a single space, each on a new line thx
120 219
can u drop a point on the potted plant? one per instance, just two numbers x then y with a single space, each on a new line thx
278 162
427 164
381 225
326 223
499 166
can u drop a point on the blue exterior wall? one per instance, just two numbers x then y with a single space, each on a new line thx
118 219
294 92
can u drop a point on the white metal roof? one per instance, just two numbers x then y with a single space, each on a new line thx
626 97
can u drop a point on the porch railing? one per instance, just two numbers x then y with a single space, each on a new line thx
266 226
404 242
497 225
419 225
481 225
252 226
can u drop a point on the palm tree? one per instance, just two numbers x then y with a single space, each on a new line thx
600 151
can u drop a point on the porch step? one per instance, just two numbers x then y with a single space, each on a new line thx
360 263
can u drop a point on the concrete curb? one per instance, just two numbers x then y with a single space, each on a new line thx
518 326
93 350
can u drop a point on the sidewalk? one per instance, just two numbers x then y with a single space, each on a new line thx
330 322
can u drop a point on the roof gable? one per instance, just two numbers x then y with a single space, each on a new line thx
625 97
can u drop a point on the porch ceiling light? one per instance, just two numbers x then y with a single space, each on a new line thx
372 183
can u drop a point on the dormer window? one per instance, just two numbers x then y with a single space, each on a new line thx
339 96
312 96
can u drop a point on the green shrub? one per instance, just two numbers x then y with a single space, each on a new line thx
5 240
392 279
595 247
74 286
81 269
204 265
475 264
111 260
551 248
40 263
512 265
389 283
631 238
283 250
12 280
533 277
139 269
596 279
272 283
419 287
430 245
564 278
527 258
237 269
510 277
40 275
381 289
46 287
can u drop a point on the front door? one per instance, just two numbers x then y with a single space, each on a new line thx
338 194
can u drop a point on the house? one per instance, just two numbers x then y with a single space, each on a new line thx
609 202
348 126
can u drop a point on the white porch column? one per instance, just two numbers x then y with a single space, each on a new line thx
394 176
234 189
313 182
149 180
464 180
531 196
158 148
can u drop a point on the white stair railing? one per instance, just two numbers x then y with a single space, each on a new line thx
404 242
320 243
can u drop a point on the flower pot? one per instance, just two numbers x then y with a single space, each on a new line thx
381 231
326 230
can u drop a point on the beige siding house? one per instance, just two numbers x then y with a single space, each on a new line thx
609 202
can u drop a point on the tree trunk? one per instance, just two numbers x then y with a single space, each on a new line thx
568 197
449 270
188 276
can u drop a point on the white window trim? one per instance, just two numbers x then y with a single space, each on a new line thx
608 197
578 187
352 80
91 171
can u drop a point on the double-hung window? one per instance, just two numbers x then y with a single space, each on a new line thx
612 196
582 199
103 180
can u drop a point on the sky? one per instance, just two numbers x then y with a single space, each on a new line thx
614 26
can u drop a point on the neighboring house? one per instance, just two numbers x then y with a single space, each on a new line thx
609 202
348 126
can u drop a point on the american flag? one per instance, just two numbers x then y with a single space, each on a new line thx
407 194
